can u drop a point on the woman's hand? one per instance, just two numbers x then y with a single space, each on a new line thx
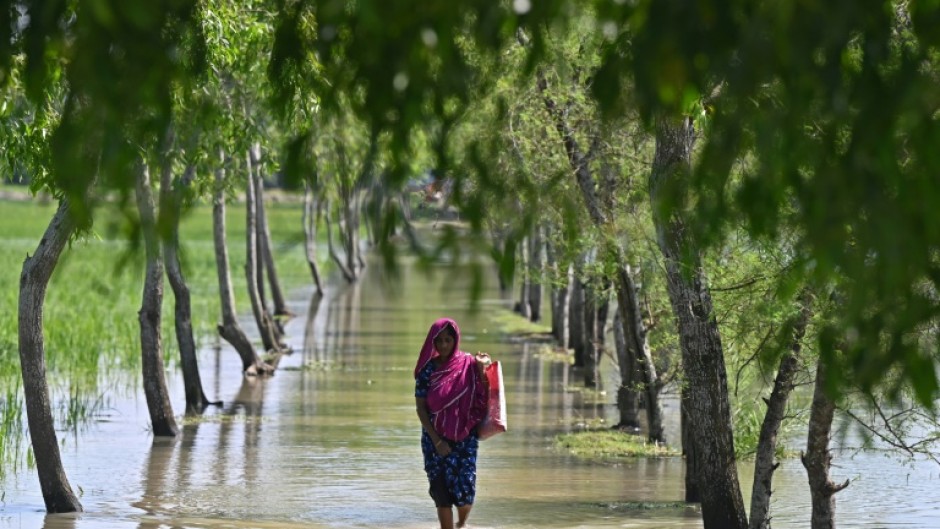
442 447
483 360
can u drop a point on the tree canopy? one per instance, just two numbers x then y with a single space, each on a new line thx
817 121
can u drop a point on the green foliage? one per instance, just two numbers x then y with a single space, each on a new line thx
820 119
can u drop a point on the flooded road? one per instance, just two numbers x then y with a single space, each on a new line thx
332 440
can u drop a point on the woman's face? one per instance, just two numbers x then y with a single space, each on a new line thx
444 343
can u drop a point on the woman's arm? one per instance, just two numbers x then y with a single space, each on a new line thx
440 445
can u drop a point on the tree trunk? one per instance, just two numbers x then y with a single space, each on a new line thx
636 335
764 464
693 460
817 458
348 274
230 330
522 306
499 245
266 262
170 202
628 398
702 353
266 325
558 295
264 242
158 398
591 342
576 319
310 220
536 267
34 279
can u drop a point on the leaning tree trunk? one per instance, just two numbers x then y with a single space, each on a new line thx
702 353
151 343
266 326
628 398
817 458
764 464
267 255
34 279
230 330
170 202
310 218
534 300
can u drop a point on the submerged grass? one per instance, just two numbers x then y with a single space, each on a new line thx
509 322
90 319
610 444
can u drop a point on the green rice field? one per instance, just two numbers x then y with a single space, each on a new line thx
91 326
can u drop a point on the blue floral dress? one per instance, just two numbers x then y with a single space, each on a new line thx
453 478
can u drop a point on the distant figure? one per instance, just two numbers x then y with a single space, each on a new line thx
450 395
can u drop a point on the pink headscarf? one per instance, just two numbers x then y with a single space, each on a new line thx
456 397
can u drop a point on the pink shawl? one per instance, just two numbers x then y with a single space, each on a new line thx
456 397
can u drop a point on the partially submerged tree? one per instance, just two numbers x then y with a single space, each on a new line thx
151 341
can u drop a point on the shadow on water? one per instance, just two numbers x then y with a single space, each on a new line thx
332 439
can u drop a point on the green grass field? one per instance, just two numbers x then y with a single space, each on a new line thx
91 306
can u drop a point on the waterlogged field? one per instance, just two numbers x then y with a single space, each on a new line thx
91 329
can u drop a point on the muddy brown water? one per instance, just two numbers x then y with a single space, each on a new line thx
331 441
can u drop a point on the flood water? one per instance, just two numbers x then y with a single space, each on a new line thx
332 440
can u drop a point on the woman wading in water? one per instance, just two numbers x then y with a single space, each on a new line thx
450 394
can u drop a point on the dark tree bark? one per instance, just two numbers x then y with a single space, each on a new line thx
764 464
817 458
702 354
628 398
310 220
151 342
230 330
536 267
170 200
34 280
264 241
636 335
693 460
266 326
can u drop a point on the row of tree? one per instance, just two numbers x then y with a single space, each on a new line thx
652 145
609 202
210 139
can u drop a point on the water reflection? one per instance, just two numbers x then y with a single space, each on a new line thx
331 440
